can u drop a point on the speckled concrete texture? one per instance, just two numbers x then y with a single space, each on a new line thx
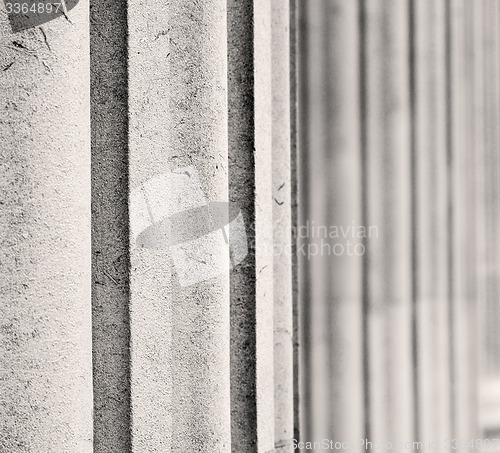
45 290
178 118
110 252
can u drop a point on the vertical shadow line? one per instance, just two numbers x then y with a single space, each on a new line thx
450 183
294 177
414 203
363 104
303 214
110 230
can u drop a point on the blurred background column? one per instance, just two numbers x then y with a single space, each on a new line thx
431 274
461 215
331 189
388 182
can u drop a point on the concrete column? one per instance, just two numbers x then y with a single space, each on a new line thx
470 11
251 188
491 189
431 221
480 192
343 205
388 204
461 221
178 162
315 386
332 314
488 217
282 228
45 289
487 88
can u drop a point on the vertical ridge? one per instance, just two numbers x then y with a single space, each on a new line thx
110 251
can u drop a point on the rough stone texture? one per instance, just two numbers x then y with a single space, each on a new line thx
388 207
45 330
241 191
178 118
431 221
110 254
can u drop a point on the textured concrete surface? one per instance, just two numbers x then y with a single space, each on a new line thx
388 190
45 330
110 253
178 118
282 227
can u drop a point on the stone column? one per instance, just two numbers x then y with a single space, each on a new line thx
388 265
431 276
179 307
45 265
282 193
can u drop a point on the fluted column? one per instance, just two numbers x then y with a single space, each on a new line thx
461 233
431 222
343 162
251 188
45 289
178 162
488 177
388 208
282 228
315 379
